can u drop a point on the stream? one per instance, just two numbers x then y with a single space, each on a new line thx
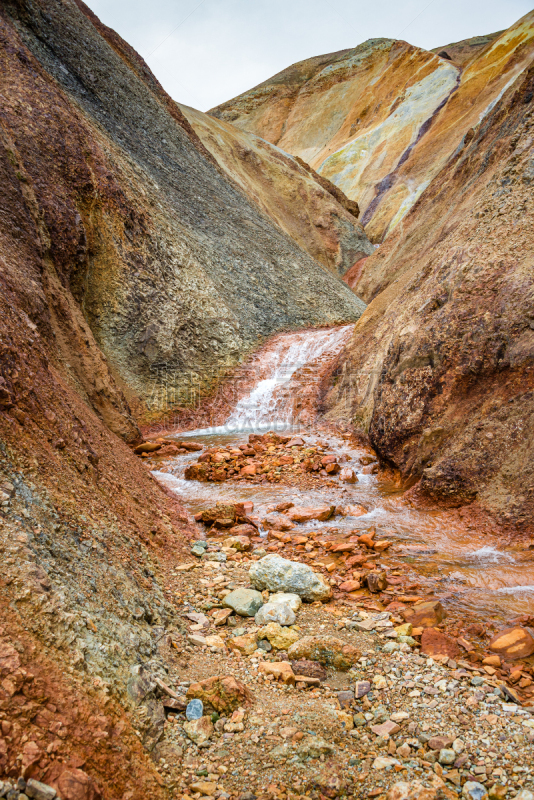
467 569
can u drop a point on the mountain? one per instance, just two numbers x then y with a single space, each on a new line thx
382 119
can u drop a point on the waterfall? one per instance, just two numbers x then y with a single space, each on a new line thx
270 403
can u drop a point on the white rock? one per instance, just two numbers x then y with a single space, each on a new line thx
275 612
278 574
383 762
293 600
474 791
458 746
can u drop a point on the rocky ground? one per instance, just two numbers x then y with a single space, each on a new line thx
392 714
362 690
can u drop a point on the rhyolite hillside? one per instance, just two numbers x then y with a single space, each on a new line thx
381 120
314 212
446 346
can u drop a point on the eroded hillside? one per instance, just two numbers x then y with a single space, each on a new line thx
177 272
441 367
381 120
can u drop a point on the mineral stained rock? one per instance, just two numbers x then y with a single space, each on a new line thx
172 262
312 211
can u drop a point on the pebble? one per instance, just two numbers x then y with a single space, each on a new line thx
194 710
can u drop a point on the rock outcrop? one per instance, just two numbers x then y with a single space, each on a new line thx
441 366
382 119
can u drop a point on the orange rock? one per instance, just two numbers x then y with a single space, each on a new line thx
147 447
250 469
427 614
343 547
367 539
303 514
222 692
349 586
382 545
328 460
333 469
513 643
492 661
280 670
347 475
355 511
356 560
436 643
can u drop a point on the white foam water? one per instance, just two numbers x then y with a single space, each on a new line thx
489 553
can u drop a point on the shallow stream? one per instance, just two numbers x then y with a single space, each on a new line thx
467 569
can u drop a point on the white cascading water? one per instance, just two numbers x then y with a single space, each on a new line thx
270 403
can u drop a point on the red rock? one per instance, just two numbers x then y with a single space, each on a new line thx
277 523
328 460
224 693
387 728
284 506
356 560
440 742
243 530
436 643
286 460
343 547
191 446
367 539
347 475
382 545
31 753
196 472
169 450
74 784
250 469
9 659
245 508
333 469
296 441
513 643
355 511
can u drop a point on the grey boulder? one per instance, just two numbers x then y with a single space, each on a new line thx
278 574
245 602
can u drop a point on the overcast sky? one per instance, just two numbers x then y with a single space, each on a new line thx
207 51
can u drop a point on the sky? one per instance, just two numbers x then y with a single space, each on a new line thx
204 52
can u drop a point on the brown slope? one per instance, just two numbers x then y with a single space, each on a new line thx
441 370
177 272
122 244
461 53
